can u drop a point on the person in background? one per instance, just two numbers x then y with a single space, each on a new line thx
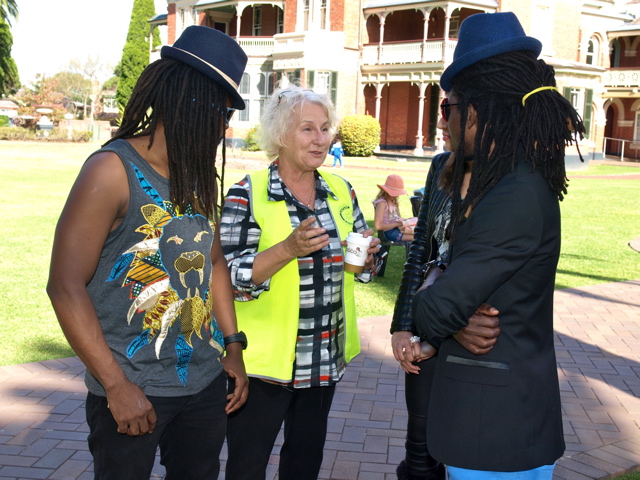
138 280
387 211
283 232
337 152
499 415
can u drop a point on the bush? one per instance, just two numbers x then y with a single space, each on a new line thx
360 135
251 142
55 135
5 121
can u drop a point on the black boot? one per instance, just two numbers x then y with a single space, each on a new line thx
437 472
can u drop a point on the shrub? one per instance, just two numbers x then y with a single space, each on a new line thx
251 142
55 135
5 121
360 135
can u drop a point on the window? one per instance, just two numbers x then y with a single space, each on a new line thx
593 51
577 100
454 23
186 18
636 127
245 87
323 15
244 114
271 83
542 25
615 53
306 13
257 20
280 21
582 101
266 84
324 82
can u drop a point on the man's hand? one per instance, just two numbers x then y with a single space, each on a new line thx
234 366
481 333
131 409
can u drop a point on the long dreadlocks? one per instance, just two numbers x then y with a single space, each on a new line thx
543 127
191 108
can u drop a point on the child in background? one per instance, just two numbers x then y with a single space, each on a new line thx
387 214
337 152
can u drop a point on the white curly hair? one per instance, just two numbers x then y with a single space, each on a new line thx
277 118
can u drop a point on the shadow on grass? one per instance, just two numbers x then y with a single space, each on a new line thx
39 350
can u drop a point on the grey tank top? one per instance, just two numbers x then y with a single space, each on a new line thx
151 289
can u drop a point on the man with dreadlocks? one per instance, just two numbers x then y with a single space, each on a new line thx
498 415
138 279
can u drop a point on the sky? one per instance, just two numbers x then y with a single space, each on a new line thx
48 35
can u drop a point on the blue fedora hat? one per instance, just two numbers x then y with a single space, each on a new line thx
214 54
485 35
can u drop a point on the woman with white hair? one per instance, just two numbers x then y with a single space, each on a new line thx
283 232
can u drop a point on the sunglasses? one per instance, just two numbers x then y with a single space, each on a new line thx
286 93
445 108
226 112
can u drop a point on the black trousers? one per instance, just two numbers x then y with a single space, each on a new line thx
418 462
252 431
190 432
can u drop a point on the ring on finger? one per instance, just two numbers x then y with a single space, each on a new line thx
414 339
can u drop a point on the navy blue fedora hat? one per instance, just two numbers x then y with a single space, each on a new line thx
485 35
214 54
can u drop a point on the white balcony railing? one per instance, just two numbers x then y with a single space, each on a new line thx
409 52
257 46
622 78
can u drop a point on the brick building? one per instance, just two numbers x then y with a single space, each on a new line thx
384 58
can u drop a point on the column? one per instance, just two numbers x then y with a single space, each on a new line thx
425 33
379 87
445 40
419 137
383 17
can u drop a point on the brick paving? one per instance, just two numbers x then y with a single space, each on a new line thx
43 432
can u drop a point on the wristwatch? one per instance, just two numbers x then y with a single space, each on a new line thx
239 337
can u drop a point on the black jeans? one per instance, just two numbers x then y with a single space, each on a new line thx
252 431
190 432
418 462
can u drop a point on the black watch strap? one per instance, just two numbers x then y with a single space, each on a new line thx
239 337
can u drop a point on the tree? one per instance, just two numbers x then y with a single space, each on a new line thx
135 54
43 92
74 86
79 82
9 79
8 9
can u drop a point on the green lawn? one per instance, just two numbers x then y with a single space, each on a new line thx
600 217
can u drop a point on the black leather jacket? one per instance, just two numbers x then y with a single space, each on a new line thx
423 247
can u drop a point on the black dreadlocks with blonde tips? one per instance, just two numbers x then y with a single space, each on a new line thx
543 127
191 108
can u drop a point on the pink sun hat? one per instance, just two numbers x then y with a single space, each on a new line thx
394 186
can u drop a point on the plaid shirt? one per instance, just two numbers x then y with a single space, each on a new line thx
320 356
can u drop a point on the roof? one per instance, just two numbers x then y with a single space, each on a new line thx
8 105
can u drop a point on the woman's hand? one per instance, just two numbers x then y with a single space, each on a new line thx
306 239
374 247
405 351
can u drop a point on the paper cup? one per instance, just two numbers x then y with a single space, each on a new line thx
356 253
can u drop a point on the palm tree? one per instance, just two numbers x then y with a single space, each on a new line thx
8 9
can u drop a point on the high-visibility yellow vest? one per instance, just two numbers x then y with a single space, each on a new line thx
271 321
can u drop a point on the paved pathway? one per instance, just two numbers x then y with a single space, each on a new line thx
43 433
